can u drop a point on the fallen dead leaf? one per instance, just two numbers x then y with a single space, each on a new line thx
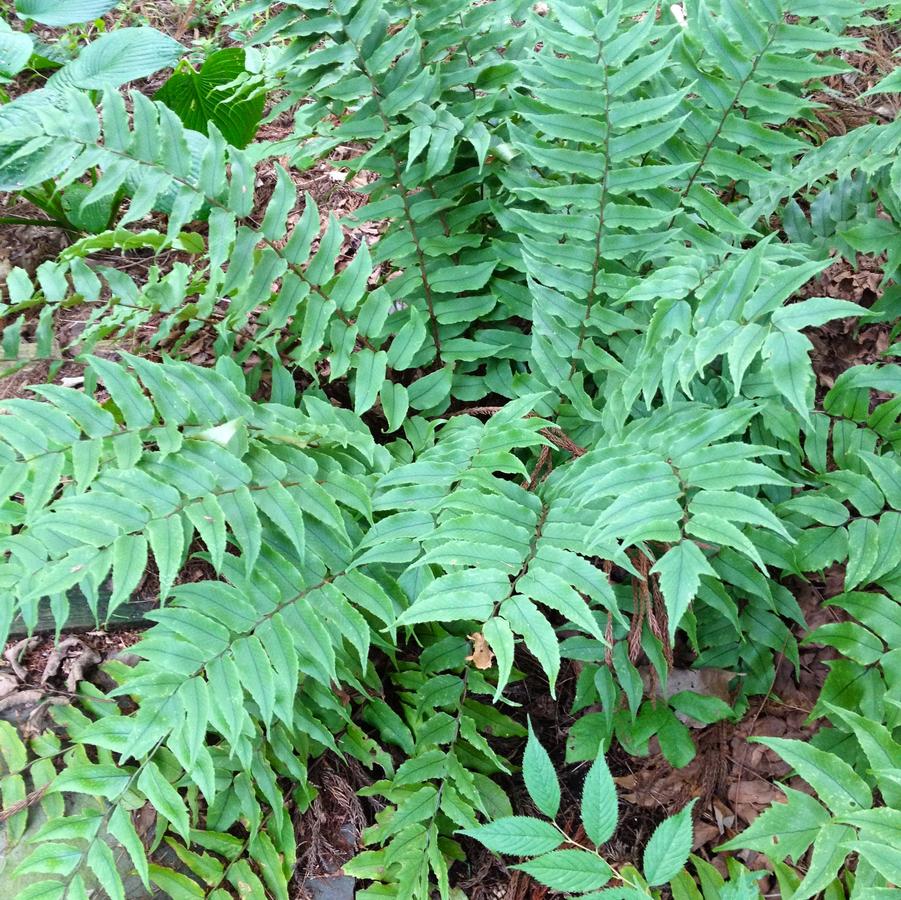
481 654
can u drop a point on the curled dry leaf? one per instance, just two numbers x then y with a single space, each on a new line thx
57 655
85 660
481 654
14 653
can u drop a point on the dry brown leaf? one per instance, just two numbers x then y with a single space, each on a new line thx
481 653
708 681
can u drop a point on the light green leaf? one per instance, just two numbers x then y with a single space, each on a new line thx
102 780
470 594
209 520
836 783
125 391
241 514
371 368
742 351
537 633
122 829
680 570
886 859
255 672
551 590
540 776
129 566
886 472
667 850
58 15
176 884
117 57
499 635
167 539
701 707
568 870
281 509
517 836
103 865
420 805
783 829
850 639
815 311
880 748
12 749
15 51
600 811
431 390
455 279
735 507
891 84
881 824
829 852
164 797
51 858
788 364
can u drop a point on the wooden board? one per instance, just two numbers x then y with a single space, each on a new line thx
128 615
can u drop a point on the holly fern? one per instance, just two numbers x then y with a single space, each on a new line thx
579 869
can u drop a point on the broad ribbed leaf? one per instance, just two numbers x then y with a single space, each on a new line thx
118 57
59 13
210 95
15 51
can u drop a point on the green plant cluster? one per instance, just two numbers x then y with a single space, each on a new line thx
221 91
580 867
562 409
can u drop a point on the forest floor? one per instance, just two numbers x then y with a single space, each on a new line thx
733 778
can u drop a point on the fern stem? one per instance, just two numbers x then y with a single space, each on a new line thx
214 201
605 177
726 112
420 257
114 802
108 812
405 199
43 223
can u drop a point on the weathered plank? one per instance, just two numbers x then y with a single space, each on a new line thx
128 615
